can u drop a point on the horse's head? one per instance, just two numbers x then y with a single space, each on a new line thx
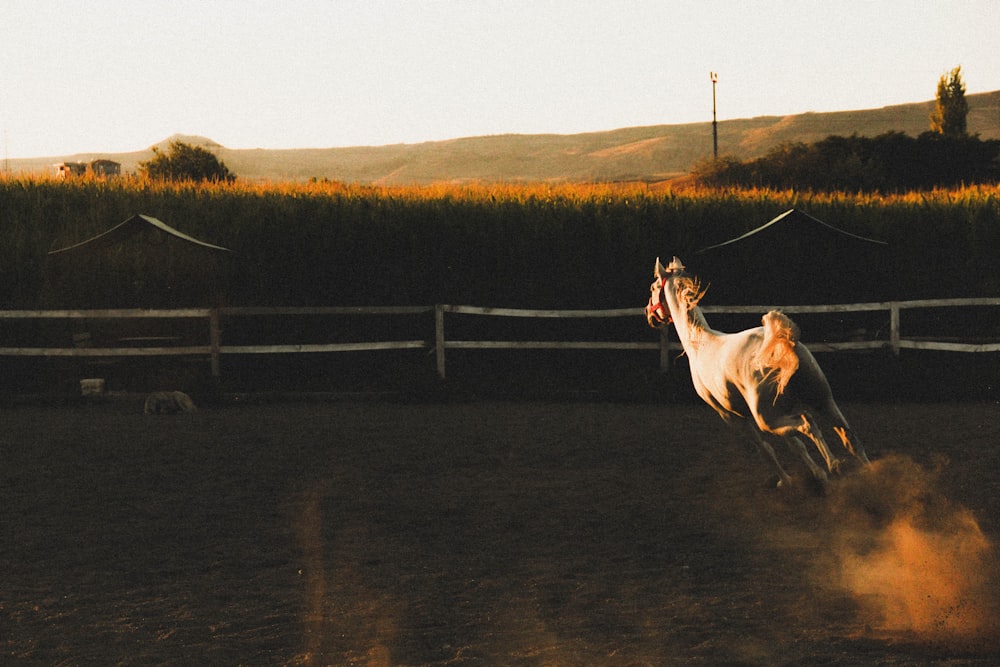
658 308
672 292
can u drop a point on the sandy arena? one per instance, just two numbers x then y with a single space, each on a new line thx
490 533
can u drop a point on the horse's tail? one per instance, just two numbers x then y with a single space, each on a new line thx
776 358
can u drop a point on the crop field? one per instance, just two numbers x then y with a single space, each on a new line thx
505 245
489 533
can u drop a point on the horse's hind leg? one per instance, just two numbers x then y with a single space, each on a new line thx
789 426
765 447
847 437
817 472
811 430
851 442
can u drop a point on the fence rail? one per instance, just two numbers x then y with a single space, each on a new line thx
438 342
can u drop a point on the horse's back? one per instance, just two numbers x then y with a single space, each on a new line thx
722 377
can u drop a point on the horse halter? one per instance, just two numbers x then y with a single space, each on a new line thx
658 314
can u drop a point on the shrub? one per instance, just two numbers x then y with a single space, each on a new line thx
185 162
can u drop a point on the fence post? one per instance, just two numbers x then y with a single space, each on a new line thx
664 349
894 327
439 338
215 340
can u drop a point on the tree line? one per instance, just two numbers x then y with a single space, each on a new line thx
944 156
890 162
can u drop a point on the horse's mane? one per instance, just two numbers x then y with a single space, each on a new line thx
689 293
776 358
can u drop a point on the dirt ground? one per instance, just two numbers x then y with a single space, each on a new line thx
489 533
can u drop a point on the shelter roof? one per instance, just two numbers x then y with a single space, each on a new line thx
125 230
814 224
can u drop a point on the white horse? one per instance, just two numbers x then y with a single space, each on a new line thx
763 377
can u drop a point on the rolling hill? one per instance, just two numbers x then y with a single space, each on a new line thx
638 153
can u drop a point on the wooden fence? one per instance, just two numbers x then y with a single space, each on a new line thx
890 338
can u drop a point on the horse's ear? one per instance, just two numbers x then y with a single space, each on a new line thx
658 269
676 264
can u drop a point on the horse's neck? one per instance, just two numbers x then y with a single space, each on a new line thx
693 330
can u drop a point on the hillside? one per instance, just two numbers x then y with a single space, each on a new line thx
637 153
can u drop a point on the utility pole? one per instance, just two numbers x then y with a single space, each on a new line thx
715 123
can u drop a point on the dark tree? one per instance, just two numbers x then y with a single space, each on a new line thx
184 161
949 115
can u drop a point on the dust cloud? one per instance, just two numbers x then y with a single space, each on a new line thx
917 564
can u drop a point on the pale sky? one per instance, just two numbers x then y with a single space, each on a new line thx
116 76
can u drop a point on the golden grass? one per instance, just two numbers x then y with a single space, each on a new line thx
516 192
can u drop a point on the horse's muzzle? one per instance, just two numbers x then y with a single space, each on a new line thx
656 315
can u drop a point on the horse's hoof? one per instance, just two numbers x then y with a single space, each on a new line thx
821 487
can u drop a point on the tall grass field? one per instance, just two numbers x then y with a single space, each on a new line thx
534 245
